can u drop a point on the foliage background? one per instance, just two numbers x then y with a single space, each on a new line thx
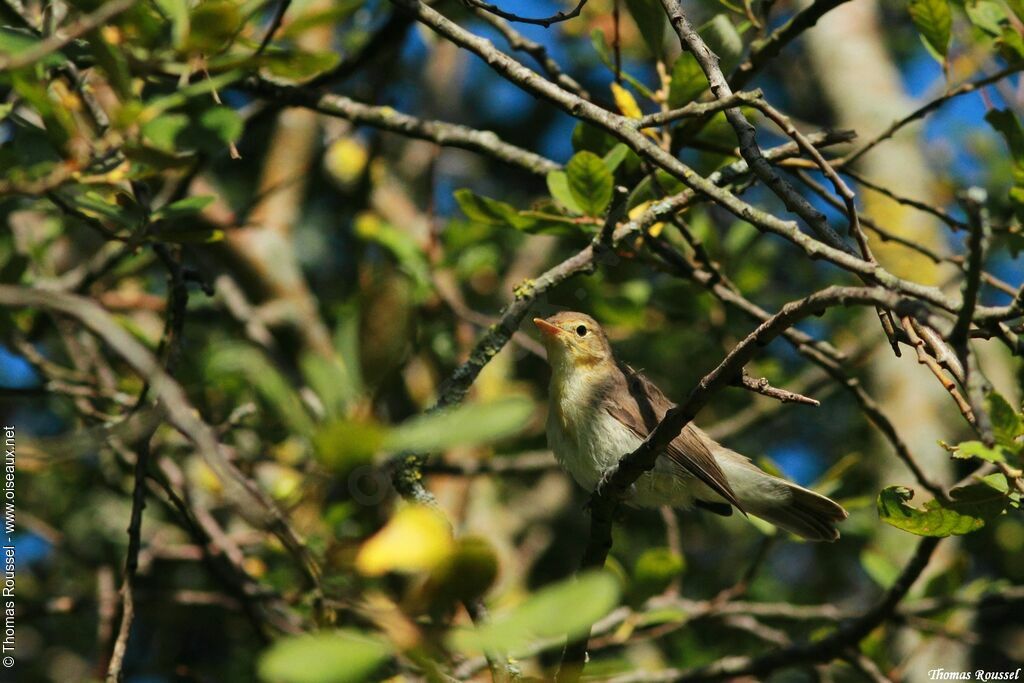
334 280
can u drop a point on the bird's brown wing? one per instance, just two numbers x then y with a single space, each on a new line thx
643 410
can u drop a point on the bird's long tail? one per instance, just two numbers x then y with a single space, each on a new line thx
783 503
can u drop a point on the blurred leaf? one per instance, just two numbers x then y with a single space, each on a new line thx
688 81
113 62
970 507
625 101
177 13
590 182
565 609
724 40
879 567
343 656
650 18
934 20
346 159
214 25
615 157
345 444
401 244
337 11
15 41
299 65
558 186
987 15
466 424
464 575
486 210
654 570
211 130
592 139
241 360
330 381
1006 124
204 235
417 538
183 208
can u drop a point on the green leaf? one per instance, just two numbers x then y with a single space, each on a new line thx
987 15
558 186
15 41
724 40
592 139
1006 422
934 21
241 360
343 656
650 18
204 235
590 182
566 609
215 23
210 131
968 510
654 570
467 424
976 449
177 13
337 11
330 381
880 568
688 81
183 208
406 250
299 65
615 157
486 210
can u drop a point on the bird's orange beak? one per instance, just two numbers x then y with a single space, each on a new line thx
546 328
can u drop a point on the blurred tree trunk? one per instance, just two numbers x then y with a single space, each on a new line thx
267 247
862 84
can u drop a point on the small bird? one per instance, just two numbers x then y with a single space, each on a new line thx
601 409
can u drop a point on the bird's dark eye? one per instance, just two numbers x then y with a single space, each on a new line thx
581 330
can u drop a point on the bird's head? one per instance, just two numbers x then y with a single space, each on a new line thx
574 340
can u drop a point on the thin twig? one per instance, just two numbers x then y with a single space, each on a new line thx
541 21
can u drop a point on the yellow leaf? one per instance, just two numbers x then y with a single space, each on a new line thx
638 211
416 539
346 160
626 103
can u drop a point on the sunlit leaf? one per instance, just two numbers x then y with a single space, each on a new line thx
417 538
566 609
968 510
625 101
343 656
976 449
590 182
987 15
558 186
934 20
466 424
